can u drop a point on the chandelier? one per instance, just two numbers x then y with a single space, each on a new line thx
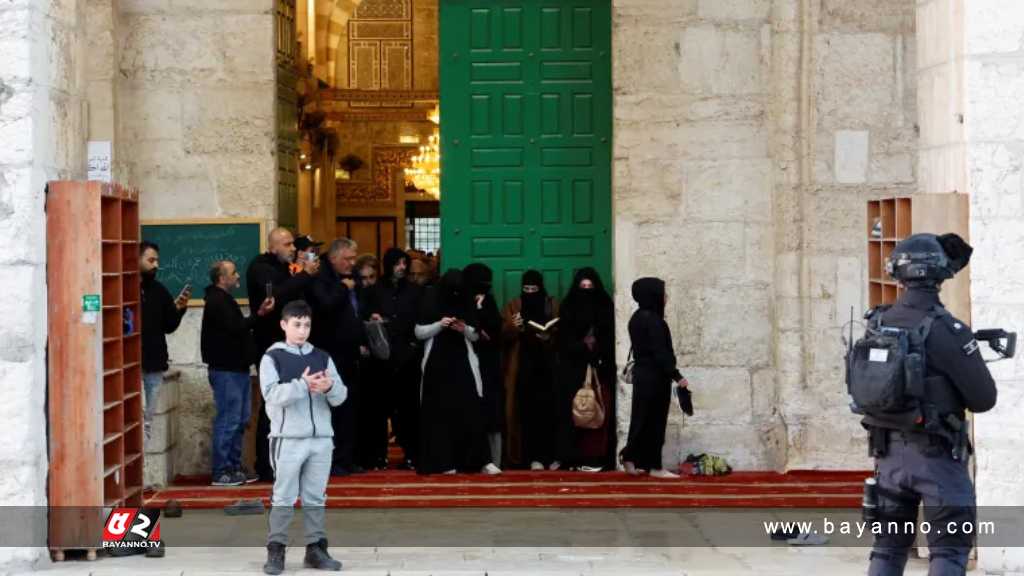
425 172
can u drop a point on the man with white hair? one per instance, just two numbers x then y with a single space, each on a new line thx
338 330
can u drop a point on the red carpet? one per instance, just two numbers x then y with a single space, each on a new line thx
523 489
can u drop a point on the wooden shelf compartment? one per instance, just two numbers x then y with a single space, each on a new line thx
113 487
110 217
888 214
113 326
113 387
113 418
112 292
133 379
904 218
108 438
111 255
113 355
130 288
874 294
875 266
129 257
133 439
132 351
130 222
874 215
887 248
132 406
136 315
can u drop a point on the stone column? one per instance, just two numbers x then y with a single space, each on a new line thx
971 84
42 136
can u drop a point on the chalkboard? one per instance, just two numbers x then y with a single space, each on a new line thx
189 247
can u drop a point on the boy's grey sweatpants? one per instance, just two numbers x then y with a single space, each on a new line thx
302 467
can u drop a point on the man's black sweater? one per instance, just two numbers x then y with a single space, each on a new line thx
159 317
226 338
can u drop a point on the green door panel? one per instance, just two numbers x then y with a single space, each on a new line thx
526 124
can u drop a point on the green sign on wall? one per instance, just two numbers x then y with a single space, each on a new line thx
526 138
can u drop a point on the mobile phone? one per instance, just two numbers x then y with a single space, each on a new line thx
311 257
187 287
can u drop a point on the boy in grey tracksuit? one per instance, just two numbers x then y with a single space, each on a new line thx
300 384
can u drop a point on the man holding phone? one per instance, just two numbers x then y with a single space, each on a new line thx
269 276
161 315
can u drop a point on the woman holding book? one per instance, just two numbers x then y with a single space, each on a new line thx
586 337
529 322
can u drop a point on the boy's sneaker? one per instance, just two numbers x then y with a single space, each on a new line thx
275 559
317 557
228 479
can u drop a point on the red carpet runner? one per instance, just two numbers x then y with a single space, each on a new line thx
523 489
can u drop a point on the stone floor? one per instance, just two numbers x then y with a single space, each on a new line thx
500 561
491 543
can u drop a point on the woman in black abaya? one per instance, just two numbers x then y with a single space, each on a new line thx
654 372
452 434
586 336
478 278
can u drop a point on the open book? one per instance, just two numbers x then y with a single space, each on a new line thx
542 327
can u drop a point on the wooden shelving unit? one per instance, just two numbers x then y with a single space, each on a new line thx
893 219
95 375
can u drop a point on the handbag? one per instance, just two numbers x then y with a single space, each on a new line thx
377 337
627 370
587 405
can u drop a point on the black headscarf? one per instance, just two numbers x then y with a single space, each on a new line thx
582 307
649 293
448 298
478 278
391 257
535 304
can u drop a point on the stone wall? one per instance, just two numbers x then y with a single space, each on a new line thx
196 125
748 137
42 95
991 65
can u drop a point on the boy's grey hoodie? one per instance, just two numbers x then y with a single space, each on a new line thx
295 411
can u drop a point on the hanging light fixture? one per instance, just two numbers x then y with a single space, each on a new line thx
425 172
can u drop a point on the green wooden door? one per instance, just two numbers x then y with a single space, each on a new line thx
526 138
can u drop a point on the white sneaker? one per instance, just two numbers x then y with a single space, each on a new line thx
631 468
555 465
663 474
536 466
450 472
491 469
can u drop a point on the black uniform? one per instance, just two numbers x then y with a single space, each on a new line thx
918 465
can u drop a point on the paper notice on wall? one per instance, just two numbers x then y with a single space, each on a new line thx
99 160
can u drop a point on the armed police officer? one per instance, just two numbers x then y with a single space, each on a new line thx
912 376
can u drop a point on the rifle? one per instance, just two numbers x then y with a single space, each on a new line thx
1000 341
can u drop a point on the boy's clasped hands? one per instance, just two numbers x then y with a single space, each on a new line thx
318 382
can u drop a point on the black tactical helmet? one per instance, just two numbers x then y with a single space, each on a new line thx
927 259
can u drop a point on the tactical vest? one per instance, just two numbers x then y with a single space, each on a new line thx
886 371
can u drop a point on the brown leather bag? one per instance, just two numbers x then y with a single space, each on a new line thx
587 405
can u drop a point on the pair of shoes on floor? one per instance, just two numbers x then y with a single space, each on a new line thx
663 474
316 558
536 466
591 469
490 469
451 472
555 465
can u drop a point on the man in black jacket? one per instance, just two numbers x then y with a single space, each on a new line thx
226 344
338 329
396 300
161 315
271 268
